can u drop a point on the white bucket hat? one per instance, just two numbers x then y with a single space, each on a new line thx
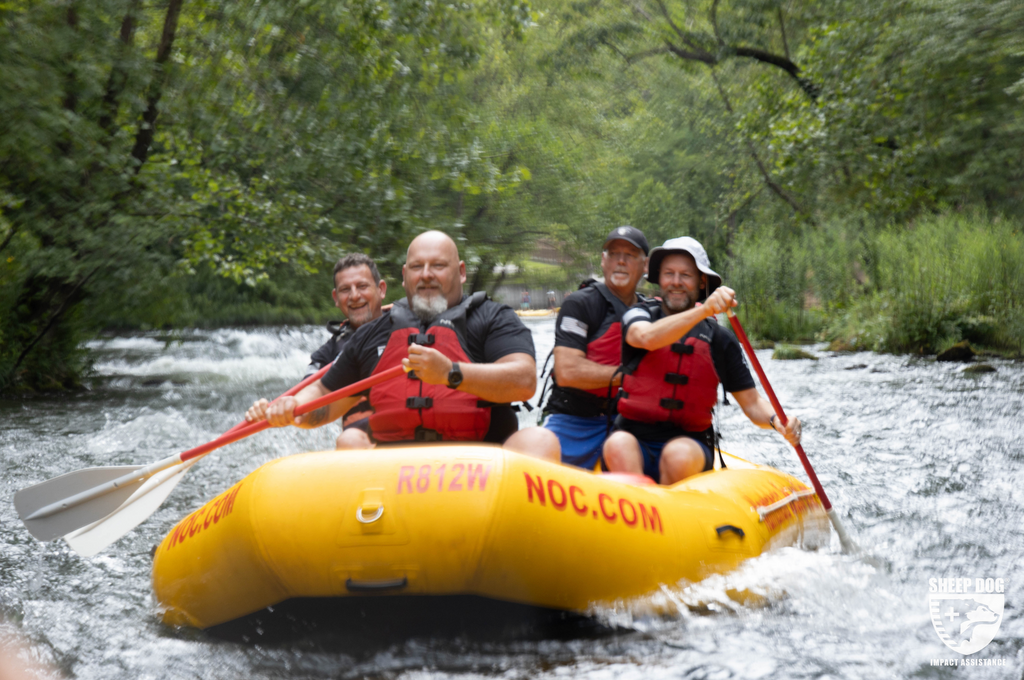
684 244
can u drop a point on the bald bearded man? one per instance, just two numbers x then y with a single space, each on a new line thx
469 358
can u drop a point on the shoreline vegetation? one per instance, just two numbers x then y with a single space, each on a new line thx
170 165
917 289
920 289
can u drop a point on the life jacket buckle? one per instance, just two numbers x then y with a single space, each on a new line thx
419 402
676 378
423 339
682 348
423 434
672 404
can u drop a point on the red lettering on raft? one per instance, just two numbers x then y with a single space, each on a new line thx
653 518
540 490
423 480
478 472
552 485
201 519
531 485
405 475
572 497
601 498
456 485
477 477
623 504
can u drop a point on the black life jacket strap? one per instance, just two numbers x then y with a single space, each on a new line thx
546 376
612 404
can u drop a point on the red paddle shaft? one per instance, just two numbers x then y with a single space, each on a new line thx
290 393
778 407
243 431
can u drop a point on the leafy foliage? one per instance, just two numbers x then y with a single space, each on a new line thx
160 160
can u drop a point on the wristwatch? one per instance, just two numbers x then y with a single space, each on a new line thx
454 376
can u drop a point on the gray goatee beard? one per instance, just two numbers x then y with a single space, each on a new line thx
682 306
428 308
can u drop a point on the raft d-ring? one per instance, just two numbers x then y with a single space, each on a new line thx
373 518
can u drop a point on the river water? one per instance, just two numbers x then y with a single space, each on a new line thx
924 463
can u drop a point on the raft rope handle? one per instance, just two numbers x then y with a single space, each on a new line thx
765 510
373 518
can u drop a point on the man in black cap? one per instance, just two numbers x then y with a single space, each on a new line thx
675 355
588 348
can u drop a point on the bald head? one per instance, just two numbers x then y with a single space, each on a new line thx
433 274
434 241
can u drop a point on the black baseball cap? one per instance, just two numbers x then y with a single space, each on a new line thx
630 235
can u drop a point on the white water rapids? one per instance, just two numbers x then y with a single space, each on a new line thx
924 463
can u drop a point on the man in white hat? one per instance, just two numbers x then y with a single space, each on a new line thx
675 355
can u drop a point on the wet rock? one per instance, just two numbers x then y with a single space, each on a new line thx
843 345
978 369
788 353
855 367
961 351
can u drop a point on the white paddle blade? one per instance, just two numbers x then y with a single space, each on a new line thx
27 501
92 539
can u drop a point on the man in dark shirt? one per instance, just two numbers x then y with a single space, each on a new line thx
675 355
476 358
588 349
358 292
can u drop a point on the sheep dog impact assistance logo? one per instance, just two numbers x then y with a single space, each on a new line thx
966 612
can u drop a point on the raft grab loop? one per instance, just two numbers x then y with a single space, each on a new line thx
765 510
372 518
375 586
729 527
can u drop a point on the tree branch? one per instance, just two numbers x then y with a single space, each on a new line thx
147 127
8 379
714 22
783 63
782 27
7 239
639 56
771 183
692 56
118 73
682 35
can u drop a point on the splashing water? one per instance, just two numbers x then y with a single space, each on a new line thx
924 463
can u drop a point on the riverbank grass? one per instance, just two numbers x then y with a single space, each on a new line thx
939 282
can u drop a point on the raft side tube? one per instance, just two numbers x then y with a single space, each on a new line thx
460 520
195 575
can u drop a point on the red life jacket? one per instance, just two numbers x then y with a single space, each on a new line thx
411 410
677 384
605 349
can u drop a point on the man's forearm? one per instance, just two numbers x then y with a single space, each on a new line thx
574 369
502 381
665 331
324 414
755 407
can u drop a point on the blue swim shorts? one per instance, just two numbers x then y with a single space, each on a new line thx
582 439
652 456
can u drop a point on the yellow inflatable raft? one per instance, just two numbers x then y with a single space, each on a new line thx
473 520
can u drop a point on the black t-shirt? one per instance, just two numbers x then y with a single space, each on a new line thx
726 355
584 316
340 332
493 331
